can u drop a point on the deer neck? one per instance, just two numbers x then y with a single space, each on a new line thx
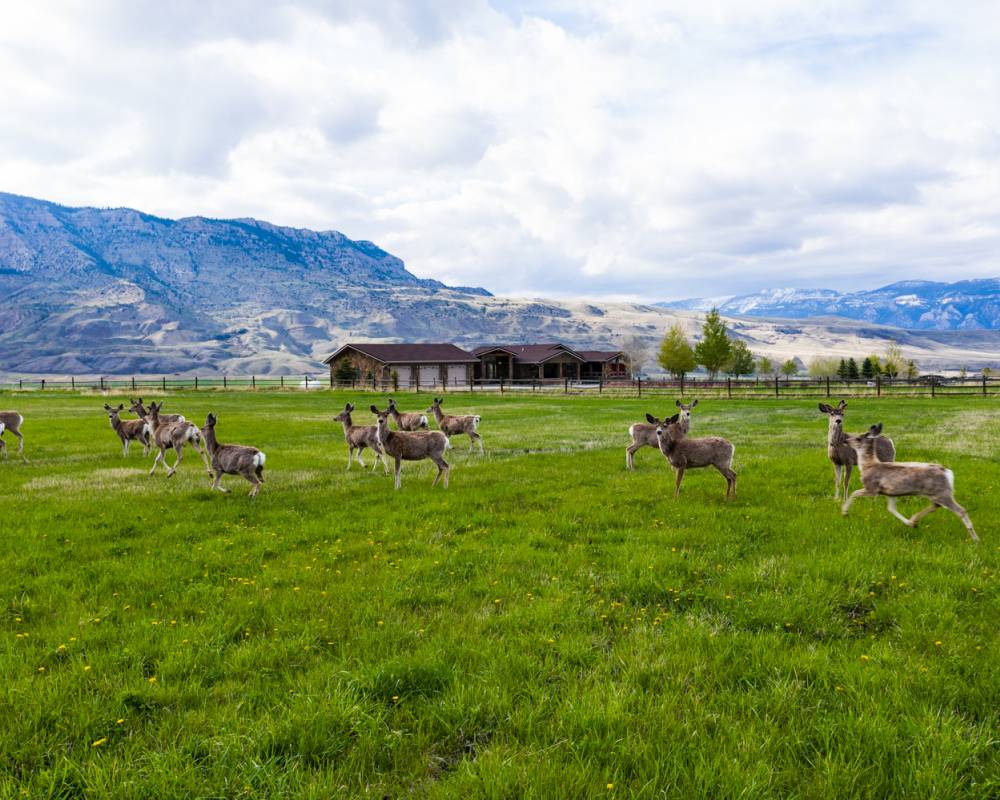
116 423
438 413
348 424
836 435
394 413
211 443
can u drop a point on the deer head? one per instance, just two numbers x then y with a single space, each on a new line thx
113 412
345 415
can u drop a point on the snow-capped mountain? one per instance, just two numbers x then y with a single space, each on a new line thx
917 305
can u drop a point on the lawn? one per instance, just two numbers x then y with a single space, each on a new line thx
551 626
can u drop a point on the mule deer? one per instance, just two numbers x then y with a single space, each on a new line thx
842 454
684 453
233 459
129 430
359 437
407 421
139 410
11 421
174 435
643 435
451 424
903 479
413 446
685 412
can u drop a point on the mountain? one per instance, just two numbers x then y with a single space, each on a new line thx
119 292
916 305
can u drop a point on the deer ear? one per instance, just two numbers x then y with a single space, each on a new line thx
673 419
694 403
842 405
121 406
677 403
876 429
349 407
825 408
107 407
374 408
651 419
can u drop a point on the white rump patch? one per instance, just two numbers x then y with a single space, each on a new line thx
631 431
2 426
259 459
951 478
475 422
181 418
424 423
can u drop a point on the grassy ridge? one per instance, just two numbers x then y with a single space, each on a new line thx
550 626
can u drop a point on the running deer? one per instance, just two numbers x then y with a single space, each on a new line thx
413 446
407 421
233 459
451 424
174 435
359 437
11 421
139 410
684 453
842 454
644 433
129 430
903 479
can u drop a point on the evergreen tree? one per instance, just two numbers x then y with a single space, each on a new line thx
868 369
740 358
714 349
842 370
853 373
345 372
676 354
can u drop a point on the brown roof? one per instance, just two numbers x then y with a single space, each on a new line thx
600 355
531 353
418 353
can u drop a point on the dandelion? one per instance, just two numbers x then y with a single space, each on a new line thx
937 643
62 648
865 658
152 679
41 669
99 742
86 667
611 786
120 721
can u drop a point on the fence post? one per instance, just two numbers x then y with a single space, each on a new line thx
373 381
133 383
253 381
933 384
72 383
196 383
565 385
776 387
102 383
43 384
984 386
600 386
729 387
20 383
331 378
501 386
283 382
878 385
827 385
638 385
224 384
682 384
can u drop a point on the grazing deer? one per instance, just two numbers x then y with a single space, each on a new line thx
685 412
842 454
233 459
139 410
684 453
903 479
451 424
407 421
359 437
129 430
174 435
11 421
413 446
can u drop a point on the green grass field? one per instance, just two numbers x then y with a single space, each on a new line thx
551 626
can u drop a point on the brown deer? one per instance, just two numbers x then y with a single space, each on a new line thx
139 410
233 459
174 435
451 424
841 453
644 433
685 413
903 479
129 430
11 421
684 453
359 437
413 446
407 421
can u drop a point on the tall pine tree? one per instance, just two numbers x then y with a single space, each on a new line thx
853 373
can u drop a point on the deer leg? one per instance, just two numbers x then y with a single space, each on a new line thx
479 439
960 512
218 483
124 448
177 462
3 448
157 460
836 481
255 489
20 444
854 495
730 474
204 457
912 522
677 485
399 466
630 455
848 469
891 504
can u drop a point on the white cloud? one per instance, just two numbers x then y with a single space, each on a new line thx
630 149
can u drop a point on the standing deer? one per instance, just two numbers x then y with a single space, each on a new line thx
413 446
12 421
174 435
407 421
903 479
359 437
233 459
139 410
841 453
643 435
451 424
684 453
129 430
685 412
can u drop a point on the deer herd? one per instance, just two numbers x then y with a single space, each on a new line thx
873 453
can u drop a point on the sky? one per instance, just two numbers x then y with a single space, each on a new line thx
620 150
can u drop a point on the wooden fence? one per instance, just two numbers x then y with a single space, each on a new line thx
743 388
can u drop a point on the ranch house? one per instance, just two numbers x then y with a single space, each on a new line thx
547 361
415 365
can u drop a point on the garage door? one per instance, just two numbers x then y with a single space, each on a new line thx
457 375
404 377
430 376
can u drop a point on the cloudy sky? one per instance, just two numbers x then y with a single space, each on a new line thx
648 149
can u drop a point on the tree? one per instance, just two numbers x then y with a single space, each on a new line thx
987 372
789 368
911 369
740 358
714 349
842 372
868 369
676 354
637 353
345 371
894 363
853 373
826 367
765 366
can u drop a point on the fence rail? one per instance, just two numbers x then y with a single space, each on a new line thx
744 388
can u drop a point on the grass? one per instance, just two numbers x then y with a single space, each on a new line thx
550 626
